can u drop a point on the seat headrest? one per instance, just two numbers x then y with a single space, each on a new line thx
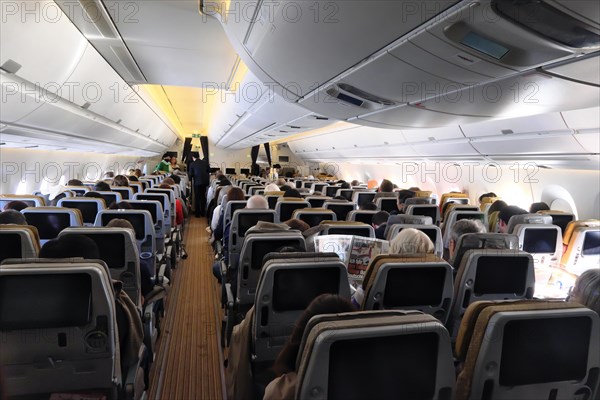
471 241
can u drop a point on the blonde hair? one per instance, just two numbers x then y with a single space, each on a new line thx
411 241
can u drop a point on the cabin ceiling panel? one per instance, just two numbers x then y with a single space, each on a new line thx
587 118
529 144
534 123
414 117
585 70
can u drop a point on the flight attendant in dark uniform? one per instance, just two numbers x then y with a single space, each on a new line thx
200 177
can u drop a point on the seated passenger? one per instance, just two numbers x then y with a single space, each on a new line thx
121 180
218 216
483 196
132 178
74 182
70 246
93 194
291 192
12 217
402 196
16 205
271 187
179 214
540 206
379 223
122 205
101 186
587 290
138 172
354 183
505 215
460 228
386 189
497 206
408 241
368 206
284 386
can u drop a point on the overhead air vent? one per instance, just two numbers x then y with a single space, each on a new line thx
86 105
507 131
10 67
549 22
294 127
318 118
364 95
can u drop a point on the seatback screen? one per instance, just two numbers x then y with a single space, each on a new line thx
88 209
414 287
295 289
540 240
591 243
48 225
496 275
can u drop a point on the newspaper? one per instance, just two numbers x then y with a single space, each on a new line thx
356 252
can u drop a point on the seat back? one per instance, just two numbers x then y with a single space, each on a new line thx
272 198
30 199
559 218
256 245
345 193
486 202
231 207
137 187
78 190
19 241
399 356
172 200
527 219
406 219
314 216
419 282
583 250
430 210
252 190
163 199
491 275
474 241
118 249
528 350
331 191
71 306
125 191
454 206
156 212
361 197
340 208
433 232
451 196
318 187
420 200
544 243
144 232
88 206
348 228
285 207
111 197
457 215
285 288
241 221
317 201
388 204
49 221
364 216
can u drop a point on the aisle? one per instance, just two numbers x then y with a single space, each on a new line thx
187 364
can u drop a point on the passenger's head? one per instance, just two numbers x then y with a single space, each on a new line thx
12 217
258 202
70 246
138 172
120 223
445 207
345 185
120 180
290 192
166 157
323 304
169 181
483 196
271 187
164 186
132 178
540 206
380 218
411 241
587 289
74 182
506 214
175 178
386 186
368 206
279 182
16 205
402 196
122 205
498 205
101 186
354 183
92 194
460 228
235 193
297 224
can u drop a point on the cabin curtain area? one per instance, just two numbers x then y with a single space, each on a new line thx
204 144
268 151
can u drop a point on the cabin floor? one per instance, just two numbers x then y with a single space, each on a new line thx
188 362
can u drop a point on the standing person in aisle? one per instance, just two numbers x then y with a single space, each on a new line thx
200 177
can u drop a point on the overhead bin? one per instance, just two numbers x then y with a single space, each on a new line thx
550 122
584 70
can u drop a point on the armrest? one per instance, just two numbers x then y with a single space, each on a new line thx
133 387
230 301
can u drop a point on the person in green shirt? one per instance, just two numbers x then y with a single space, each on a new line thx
164 165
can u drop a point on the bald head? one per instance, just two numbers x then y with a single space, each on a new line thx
258 202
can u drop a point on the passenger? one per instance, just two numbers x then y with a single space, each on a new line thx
179 213
101 186
345 185
164 165
74 182
505 215
138 172
369 206
445 207
409 241
16 205
541 206
271 187
280 182
284 386
414 189
145 276
108 175
354 183
219 213
403 195
12 217
342 198
199 175
379 223
175 178
132 178
70 246
460 228
93 195
587 290
122 205
121 180
497 206
292 193
386 189
173 165
483 196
